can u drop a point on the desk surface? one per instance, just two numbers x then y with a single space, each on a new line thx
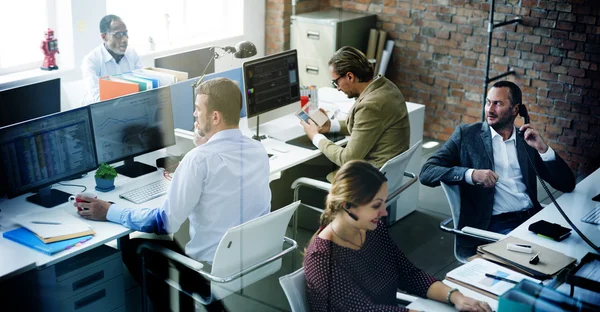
576 205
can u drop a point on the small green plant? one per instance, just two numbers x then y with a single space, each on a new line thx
106 172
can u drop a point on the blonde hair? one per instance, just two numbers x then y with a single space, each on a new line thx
224 96
355 184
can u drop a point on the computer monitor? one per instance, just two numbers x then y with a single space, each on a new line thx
271 82
37 153
182 97
29 102
132 125
193 62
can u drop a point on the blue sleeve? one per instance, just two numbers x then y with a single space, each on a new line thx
149 220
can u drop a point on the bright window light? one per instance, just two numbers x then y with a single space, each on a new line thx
430 144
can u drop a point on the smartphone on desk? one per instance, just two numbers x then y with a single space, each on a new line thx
549 230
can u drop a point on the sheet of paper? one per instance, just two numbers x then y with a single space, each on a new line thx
68 224
473 273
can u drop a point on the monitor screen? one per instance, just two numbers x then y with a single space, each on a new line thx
193 62
132 125
29 102
271 82
46 150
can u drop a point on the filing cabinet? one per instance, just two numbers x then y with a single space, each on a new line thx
89 282
317 35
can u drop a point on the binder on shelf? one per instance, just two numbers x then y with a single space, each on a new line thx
112 87
145 84
179 75
26 237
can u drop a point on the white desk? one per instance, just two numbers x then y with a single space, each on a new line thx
575 204
16 257
431 305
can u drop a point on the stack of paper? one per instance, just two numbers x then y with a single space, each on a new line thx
473 275
54 226
551 261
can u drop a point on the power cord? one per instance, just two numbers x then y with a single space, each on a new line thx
555 203
76 185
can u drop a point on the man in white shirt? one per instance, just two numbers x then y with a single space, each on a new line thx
220 184
112 57
489 161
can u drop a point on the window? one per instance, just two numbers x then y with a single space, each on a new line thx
177 23
22 26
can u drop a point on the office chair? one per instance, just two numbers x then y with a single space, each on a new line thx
246 254
294 287
394 170
453 195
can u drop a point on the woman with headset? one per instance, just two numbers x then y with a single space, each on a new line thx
352 264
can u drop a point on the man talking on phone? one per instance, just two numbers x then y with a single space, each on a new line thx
488 161
378 121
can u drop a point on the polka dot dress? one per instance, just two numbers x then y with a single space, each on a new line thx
343 279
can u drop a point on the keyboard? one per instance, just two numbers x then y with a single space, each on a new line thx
147 192
593 216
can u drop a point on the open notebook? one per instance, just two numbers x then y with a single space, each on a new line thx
53 226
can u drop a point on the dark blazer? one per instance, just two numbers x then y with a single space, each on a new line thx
470 146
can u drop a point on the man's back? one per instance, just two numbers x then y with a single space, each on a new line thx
231 175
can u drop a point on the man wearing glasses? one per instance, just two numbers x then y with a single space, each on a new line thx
378 121
110 58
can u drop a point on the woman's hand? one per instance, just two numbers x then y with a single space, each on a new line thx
463 303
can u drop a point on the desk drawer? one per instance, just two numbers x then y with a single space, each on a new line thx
105 297
93 276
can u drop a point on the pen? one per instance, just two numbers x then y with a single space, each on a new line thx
45 222
500 278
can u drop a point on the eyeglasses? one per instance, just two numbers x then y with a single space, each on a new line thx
120 34
334 82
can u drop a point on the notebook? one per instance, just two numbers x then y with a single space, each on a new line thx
26 237
69 224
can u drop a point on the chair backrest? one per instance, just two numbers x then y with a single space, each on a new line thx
453 195
395 167
248 244
294 287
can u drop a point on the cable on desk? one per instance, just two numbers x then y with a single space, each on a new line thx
76 185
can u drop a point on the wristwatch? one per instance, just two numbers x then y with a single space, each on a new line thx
450 294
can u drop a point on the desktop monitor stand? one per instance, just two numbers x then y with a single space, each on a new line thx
48 197
134 169
257 136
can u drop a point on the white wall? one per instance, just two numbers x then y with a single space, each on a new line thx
78 33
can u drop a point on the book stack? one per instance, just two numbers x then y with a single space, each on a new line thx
50 232
550 263
138 80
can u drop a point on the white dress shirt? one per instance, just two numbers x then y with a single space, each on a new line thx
99 63
511 191
217 185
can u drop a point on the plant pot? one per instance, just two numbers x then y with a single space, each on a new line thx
105 185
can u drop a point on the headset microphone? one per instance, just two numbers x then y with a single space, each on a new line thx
353 216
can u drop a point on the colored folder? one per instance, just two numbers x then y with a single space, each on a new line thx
111 87
26 237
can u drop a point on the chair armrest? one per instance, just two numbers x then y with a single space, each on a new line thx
172 255
405 299
471 232
308 182
197 266
394 196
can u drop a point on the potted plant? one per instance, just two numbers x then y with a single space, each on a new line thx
105 178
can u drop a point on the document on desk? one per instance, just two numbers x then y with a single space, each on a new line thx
473 275
56 223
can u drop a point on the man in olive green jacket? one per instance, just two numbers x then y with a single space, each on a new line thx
378 121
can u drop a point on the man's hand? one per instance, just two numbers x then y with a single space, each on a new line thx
326 126
92 208
311 129
534 139
486 177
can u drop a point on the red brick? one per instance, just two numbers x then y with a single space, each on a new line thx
541 49
577 36
566 79
576 72
583 82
